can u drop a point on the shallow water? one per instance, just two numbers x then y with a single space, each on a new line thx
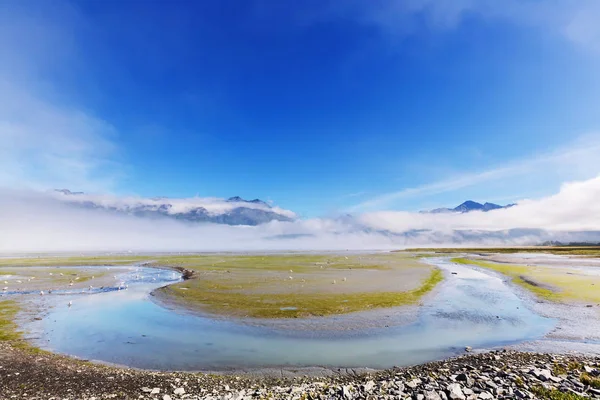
470 308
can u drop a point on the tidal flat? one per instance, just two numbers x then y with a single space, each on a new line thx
301 313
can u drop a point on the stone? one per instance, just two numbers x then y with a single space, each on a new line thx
179 391
413 384
155 391
468 348
346 393
589 370
432 395
420 397
464 378
146 389
485 396
368 387
166 397
455 392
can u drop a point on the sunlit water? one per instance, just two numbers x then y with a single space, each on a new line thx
470 308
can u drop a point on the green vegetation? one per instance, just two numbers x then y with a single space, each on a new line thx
220 300
8 328
272 286
558 369
591 251
553 394
554 284
589 380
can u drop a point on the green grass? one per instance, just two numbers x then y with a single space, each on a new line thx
554 284
565 250
269 305
553 394
589 380
8 328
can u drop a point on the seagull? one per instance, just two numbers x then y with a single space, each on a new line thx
70 303
71 284
61 274
19 282
291 278
41 292
6 282
334 281
344 279
291 271
91 287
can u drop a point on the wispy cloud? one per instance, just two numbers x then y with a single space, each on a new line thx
45 141
575 21
571 162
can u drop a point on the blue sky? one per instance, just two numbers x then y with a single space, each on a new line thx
321 106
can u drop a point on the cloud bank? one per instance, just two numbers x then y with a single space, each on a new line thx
41 222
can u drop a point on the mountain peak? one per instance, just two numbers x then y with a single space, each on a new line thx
67 192
468 206
238 199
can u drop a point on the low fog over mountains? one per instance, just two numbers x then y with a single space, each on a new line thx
469 206
231 211
62 221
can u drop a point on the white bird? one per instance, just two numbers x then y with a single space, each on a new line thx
41 292
71 284
344 279
70 303
6 282
91 287
291 271
346 258
61 274
334 281
291 278
50 273
92 276
19 282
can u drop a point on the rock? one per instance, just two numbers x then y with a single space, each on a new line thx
455 392
420 397
432 395
485 396
542 374
589 370
166 397
368 387
347 393
155 391
468 349
179 391
146 389
464 378
413 384
521 394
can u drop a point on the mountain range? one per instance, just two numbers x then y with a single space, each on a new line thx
232 211
469 206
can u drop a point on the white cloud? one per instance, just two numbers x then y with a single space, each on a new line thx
576 160
44 141
38 222
213 205
575 21
574 208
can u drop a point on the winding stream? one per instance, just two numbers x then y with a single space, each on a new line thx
470 308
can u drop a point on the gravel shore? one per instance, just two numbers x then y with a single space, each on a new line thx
26 374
